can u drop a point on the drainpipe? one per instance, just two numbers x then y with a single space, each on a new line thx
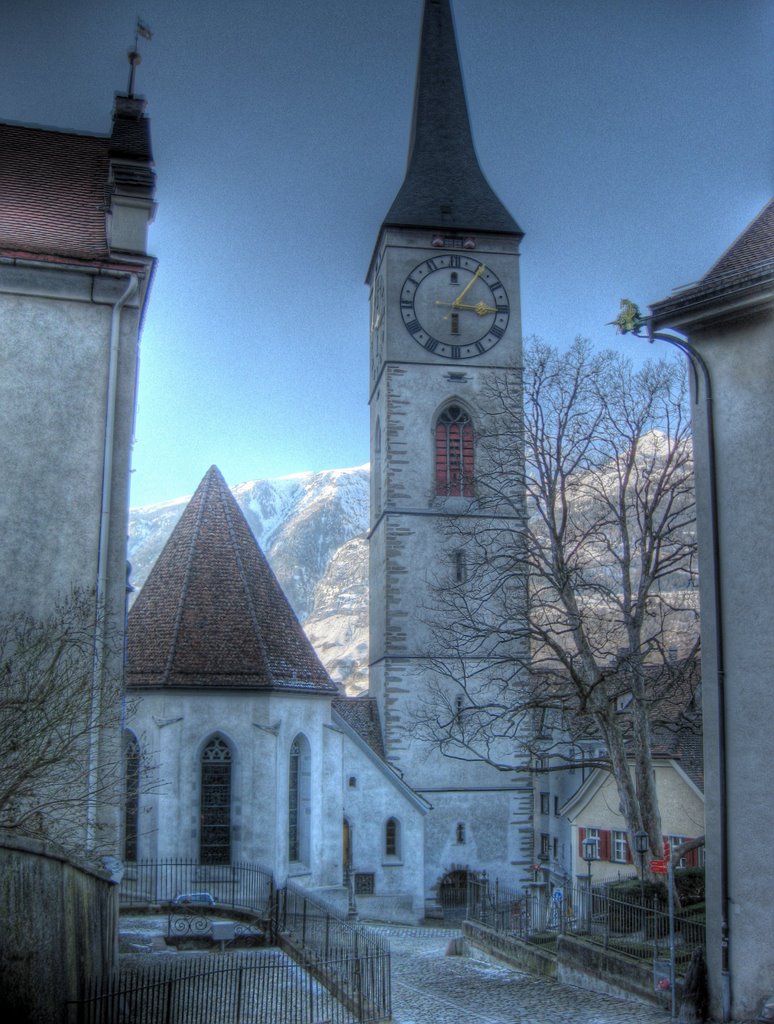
102 554
701 374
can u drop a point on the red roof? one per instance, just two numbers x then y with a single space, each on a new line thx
53 193
212 614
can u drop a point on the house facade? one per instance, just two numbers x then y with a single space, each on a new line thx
75 275
728 320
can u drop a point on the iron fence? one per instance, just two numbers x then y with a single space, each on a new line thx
259 988
350 961
356 959
639 929
239 886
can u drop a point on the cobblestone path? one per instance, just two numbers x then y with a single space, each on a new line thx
429 987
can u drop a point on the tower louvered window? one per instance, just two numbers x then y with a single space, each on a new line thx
454 453
215 809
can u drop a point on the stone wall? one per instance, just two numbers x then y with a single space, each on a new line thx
59 925
578 963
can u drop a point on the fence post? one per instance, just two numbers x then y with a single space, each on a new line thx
238 1010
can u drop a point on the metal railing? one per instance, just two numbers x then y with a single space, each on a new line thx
356 958
239 886
638 929
350 961
260 988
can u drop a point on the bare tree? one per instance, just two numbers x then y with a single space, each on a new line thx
606 555
51 722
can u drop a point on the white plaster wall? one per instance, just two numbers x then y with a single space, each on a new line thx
173 727
54 356
741 360
367 805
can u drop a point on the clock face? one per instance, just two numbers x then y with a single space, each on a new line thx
454 306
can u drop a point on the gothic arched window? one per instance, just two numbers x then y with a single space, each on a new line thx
454 452
215 803
299 799
132 796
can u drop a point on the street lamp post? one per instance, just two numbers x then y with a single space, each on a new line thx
590 854
641 846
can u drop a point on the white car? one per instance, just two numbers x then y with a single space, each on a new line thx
188 899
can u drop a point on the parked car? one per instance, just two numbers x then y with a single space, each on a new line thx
191 899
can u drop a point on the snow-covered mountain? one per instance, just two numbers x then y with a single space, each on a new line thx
311 527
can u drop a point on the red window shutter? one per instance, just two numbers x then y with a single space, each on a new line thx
581 837
629 858
604 844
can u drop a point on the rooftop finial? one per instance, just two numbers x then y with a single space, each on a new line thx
141 30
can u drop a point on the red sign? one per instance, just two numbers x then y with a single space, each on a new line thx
659 867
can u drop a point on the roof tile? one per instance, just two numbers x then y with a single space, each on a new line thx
212 614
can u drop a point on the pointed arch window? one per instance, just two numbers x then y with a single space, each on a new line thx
299 799
392 838
132 796
215 803
454 452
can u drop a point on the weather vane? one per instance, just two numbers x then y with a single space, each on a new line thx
142 30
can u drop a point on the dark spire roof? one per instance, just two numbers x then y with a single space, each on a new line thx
444 185
211 613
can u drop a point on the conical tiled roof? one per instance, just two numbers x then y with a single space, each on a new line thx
444 186
211 613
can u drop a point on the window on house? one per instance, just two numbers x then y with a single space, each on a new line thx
458 706
299 802
132 805
392 838
460 832
555 843
545 846
556 806
352 782
619 848
454 452
545 803
460 572
364 883
215 803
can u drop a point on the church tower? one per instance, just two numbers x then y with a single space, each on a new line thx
445 333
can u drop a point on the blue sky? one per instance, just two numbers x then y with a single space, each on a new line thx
632 142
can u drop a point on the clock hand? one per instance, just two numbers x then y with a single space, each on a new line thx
469 285
480 307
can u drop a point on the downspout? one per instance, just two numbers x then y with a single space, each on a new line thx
102 554
700 369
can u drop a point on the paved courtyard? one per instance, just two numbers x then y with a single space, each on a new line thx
429 987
